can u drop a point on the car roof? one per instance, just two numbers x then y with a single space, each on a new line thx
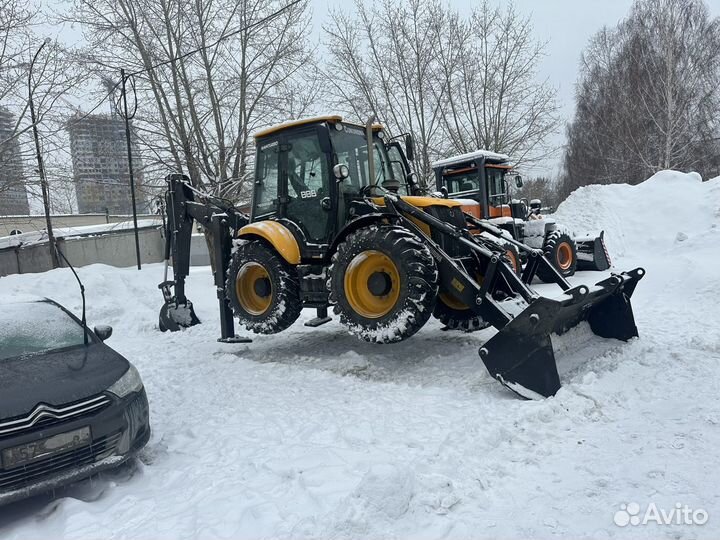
6 299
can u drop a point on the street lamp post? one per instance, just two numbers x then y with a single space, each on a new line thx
41 165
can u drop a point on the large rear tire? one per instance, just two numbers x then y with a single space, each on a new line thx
561 251
262 288
383 281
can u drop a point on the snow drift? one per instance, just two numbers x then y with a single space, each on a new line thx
649 219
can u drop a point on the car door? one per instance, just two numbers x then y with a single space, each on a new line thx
267 195
306 168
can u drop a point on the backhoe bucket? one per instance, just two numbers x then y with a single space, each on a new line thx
174 317
592 253
521 354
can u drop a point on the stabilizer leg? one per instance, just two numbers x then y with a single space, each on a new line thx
322 318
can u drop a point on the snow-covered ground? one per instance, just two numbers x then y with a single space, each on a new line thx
313 434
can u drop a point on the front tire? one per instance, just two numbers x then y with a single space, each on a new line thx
262 288
383 283
561 251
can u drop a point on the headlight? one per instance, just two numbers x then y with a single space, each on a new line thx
127 384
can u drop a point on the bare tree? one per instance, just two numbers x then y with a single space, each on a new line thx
495 100
647 97
383 63
197 111
457 83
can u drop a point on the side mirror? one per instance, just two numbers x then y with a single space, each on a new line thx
518 181
444 191
341 172
409 147
103 331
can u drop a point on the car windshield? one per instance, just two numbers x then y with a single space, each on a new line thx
350 147
35 327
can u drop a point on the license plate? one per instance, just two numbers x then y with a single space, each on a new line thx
37 450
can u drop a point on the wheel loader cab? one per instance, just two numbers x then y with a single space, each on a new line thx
480 177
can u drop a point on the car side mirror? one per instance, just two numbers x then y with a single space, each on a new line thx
341 172
444 191
103 331
409 147
518 181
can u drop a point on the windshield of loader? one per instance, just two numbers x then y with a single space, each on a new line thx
466 181
463 181
350 147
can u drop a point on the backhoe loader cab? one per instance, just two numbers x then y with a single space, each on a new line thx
483 179
295 182
336 220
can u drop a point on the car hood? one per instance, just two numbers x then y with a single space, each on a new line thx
57 377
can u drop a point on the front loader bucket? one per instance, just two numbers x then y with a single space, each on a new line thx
521 354
592 253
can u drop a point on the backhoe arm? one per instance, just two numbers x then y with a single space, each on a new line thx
222 219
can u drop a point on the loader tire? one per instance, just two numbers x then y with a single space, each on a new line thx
383 282
262 288
512 257
561 251
457 316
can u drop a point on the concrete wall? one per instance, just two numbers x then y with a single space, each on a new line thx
37 223
199 255
116 248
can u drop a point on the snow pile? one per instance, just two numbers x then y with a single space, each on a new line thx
649 219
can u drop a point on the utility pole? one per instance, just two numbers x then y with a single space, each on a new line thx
130 165
41 165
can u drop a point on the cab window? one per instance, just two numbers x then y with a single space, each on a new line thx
463 182
266 178
496 185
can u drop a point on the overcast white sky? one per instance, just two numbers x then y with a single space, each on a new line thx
567 25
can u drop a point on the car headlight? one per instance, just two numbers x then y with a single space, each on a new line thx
127 384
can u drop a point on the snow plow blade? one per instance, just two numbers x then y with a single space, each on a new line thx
592 253
521 354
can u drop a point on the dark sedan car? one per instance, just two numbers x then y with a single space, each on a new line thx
70 406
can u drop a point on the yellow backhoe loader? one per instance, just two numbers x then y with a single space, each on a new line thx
337 219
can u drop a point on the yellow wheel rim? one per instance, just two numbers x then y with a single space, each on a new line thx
451 302
372 284
253 288
564 256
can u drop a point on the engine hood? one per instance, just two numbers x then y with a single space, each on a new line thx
57 377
